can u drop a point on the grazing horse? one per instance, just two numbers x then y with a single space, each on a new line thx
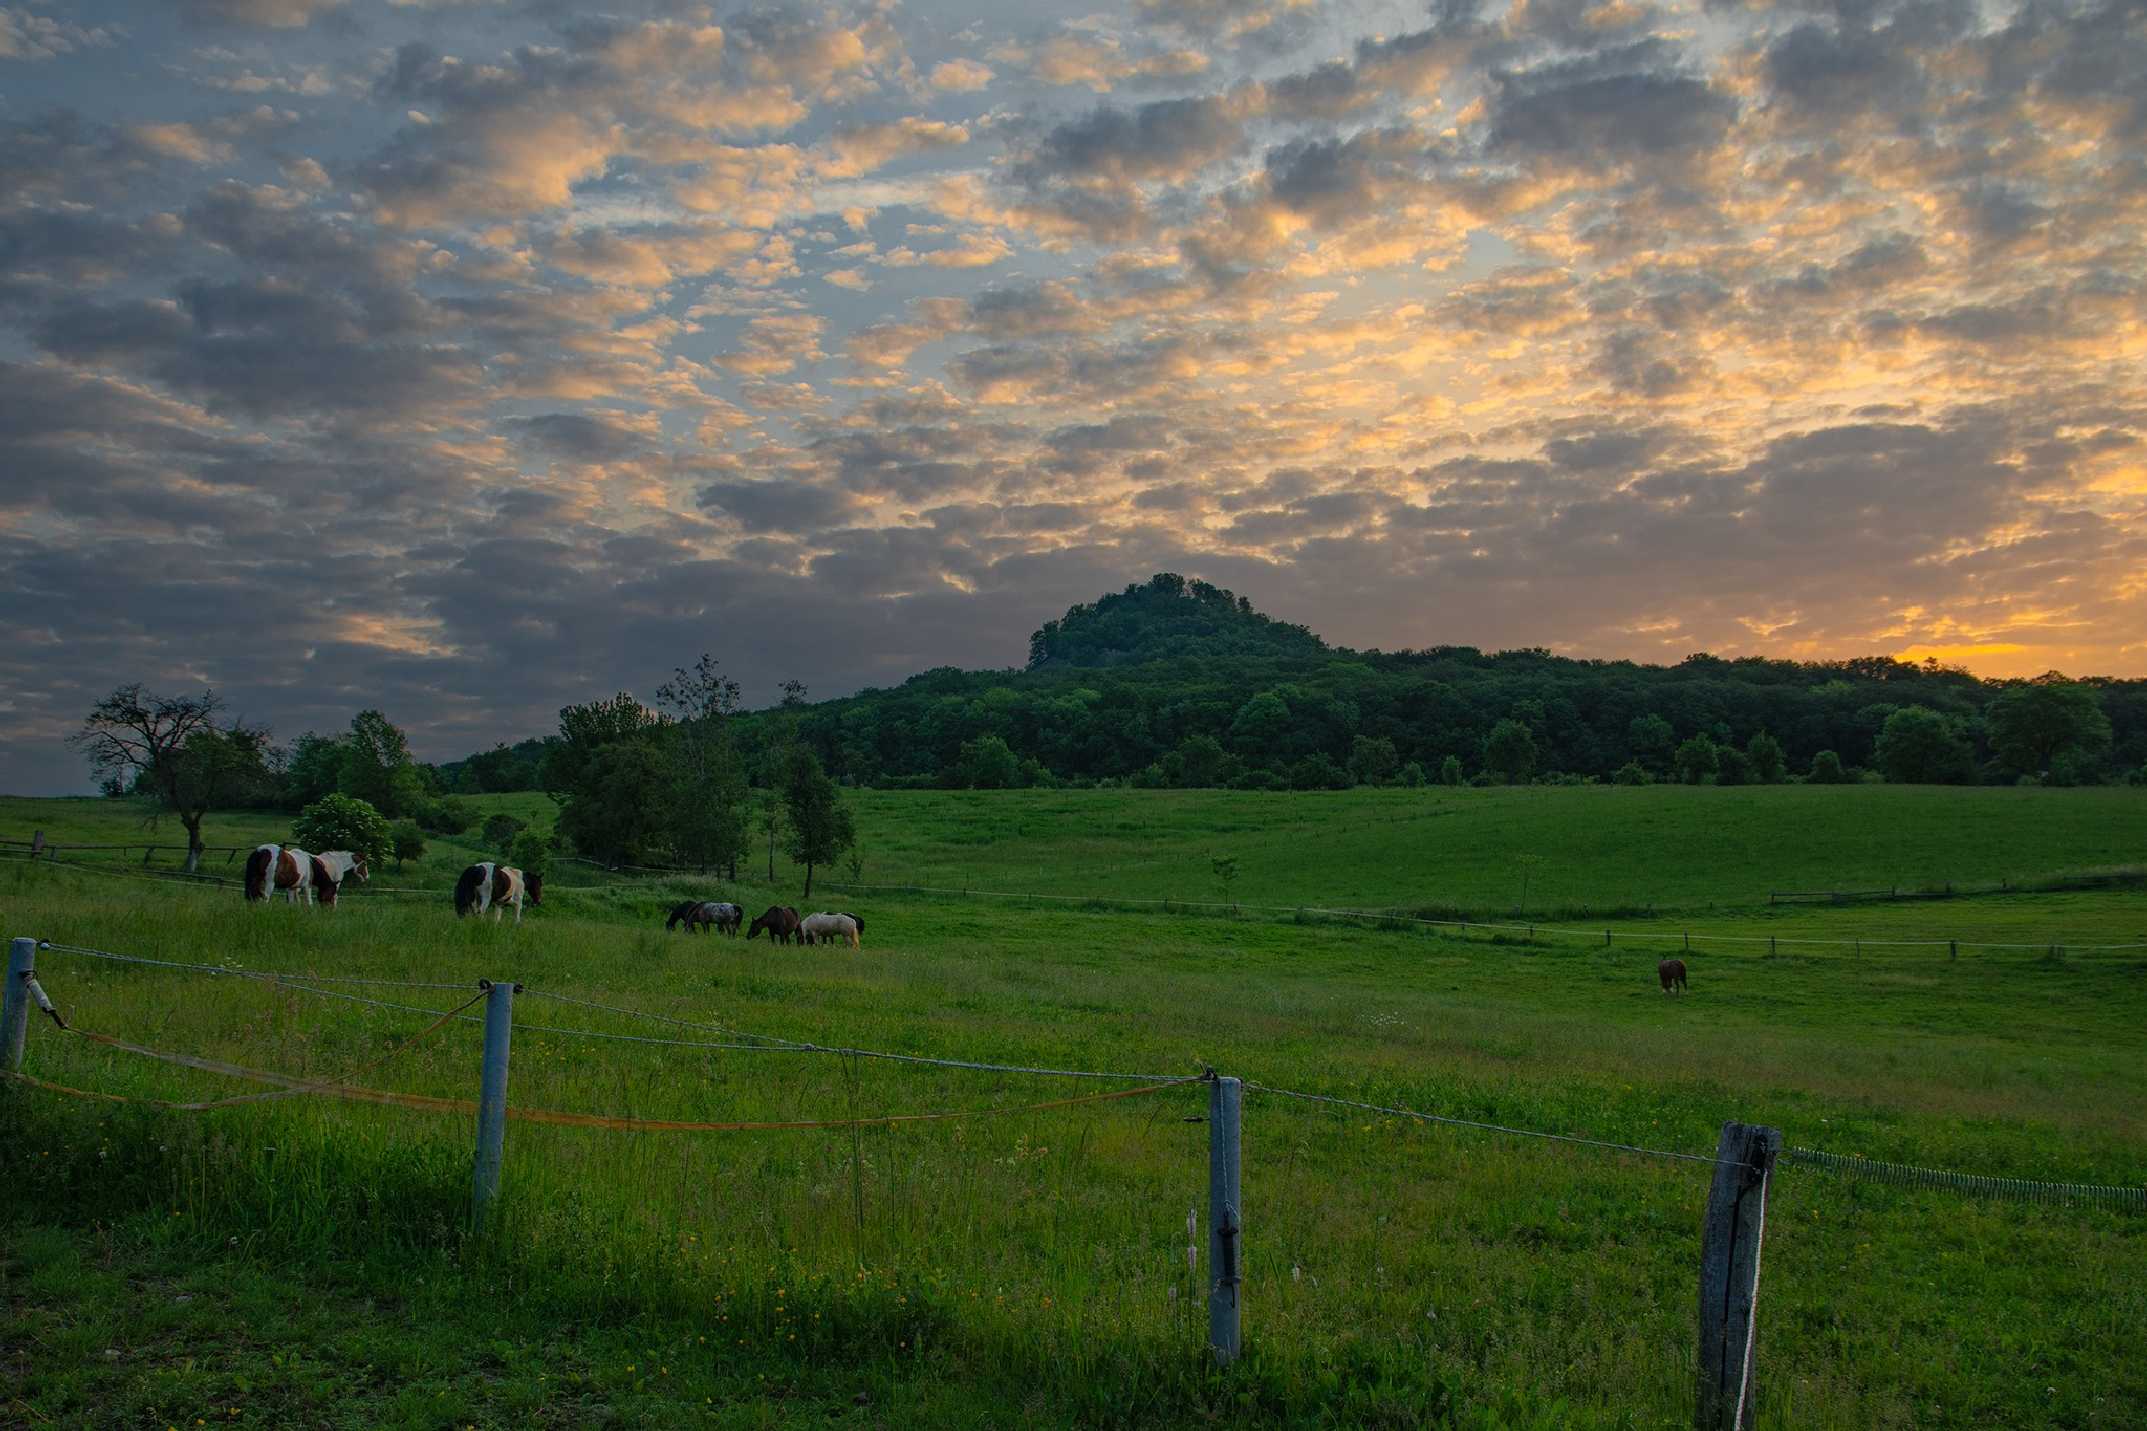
285 867
824 928
700 914
486 885
1672 974
332 867
781 922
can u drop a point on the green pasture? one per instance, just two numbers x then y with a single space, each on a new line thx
307 1261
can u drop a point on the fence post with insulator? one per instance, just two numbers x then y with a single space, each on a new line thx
15 1005
1226 1227
492 1097
1729 1274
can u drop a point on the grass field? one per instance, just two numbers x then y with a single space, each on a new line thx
306 1261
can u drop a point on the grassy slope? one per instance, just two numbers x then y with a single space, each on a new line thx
1037 1261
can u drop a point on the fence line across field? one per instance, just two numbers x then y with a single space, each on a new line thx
1685 937
1732 1229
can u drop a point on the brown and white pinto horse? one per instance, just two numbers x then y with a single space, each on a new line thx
282 867
332 867
486 885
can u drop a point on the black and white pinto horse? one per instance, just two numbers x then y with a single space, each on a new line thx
699 914
302 877
486 885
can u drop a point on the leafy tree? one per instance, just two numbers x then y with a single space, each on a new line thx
1697 759
1261 726
1632 772
616 812
584 730
314 769
448 815
1919 746
1318 771
1652 740
1412 775
1450 770
343 822
1768 762
708 813
500 830
407 841
1732 766
987 763
376 765
1373 760
2032 724
1201 758
1827 770
1510 752
531 852
821 826
172 750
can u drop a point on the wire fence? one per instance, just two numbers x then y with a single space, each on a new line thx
737 1040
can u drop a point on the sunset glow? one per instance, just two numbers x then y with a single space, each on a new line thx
469 359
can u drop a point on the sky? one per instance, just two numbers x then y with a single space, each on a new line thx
467 359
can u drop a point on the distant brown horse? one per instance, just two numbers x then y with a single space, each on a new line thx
781 922
1672 974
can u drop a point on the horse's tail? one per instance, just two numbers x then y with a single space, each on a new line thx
260 869
466 889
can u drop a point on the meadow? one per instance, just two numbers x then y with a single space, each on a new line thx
310 1261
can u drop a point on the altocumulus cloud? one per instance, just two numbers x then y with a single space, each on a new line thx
471 359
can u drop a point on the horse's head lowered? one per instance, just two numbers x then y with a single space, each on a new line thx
357 867
533 886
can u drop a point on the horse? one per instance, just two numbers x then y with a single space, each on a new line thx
285 867
332 867
700 914
1672 974
823 928
486 885
781 922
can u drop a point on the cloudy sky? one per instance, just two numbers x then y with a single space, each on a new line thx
465 359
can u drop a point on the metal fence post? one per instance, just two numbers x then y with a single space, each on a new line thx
1225 1217
15 1004
1729 1274
492 1097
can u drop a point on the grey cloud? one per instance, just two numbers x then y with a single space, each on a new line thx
1628 102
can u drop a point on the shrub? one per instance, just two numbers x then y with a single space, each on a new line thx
1257 780
1827 770
1412 775
500 830
343 822
446 816
407 841
1697 759
531 852
1732 766
1318 771
1765 753
1632 772
1510 751
1450 770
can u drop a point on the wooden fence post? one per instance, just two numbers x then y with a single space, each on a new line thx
492 1098
1729 1274
1225 1214
15 1003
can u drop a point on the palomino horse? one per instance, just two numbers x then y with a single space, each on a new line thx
1672 974
486 885
700 914
332 867
781 922
824 928
285 867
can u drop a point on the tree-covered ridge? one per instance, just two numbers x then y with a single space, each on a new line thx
1161 619
1176 682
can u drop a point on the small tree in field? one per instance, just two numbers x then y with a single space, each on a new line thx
1510 752
821 826
1765 754
343 822
1450 770
1826 770
1632 772
1696 759
531 852
171 749
500 830
408 841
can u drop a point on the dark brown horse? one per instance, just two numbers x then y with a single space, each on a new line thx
781 922
1672 974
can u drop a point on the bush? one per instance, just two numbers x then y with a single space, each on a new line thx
987 763
500 830
1765 753
446 816
1450 770
1412 775
343 822
1257 780
1697 759
1826 770
1510 751
407 841
1732 766
1318 771
532 850
1632 772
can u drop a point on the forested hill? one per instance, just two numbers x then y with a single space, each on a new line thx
1178 682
